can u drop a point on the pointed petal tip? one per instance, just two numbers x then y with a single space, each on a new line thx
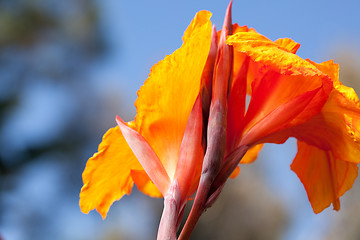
213 46
227 25
119 121
213 37
122 125
230 6
214 29
146 156
336 204
227 21
103 215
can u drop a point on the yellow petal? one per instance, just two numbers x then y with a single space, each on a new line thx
267 52
324 177
199 23
107 174
144 183
288 44
165 100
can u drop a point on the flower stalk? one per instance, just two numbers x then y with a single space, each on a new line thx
169 220
216 129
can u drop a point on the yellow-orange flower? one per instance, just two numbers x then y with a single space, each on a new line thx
292 97
285 91
164 107
328 144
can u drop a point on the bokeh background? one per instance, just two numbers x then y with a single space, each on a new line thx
68 67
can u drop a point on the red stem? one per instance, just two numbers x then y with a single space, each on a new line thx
197 209
169 220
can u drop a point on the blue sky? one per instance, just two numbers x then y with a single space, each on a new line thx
143 32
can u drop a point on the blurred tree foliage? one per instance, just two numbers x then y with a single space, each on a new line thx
41 42
21 25
45 111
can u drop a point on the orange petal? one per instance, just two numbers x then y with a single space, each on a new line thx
236 28
239 58
280 77
334 129
165 100
235 173
267 52
146 156
288 44
277 55
271 90
107 174
349 98
295 111
189 165
252 154
341 115
324 177
236 107
144 183
337 127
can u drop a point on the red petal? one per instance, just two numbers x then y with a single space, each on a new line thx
188 167
285 115
146 156
236 108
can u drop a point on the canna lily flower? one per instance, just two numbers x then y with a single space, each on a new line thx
328 145
194 142
285 92
292 97
160 151
285 89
